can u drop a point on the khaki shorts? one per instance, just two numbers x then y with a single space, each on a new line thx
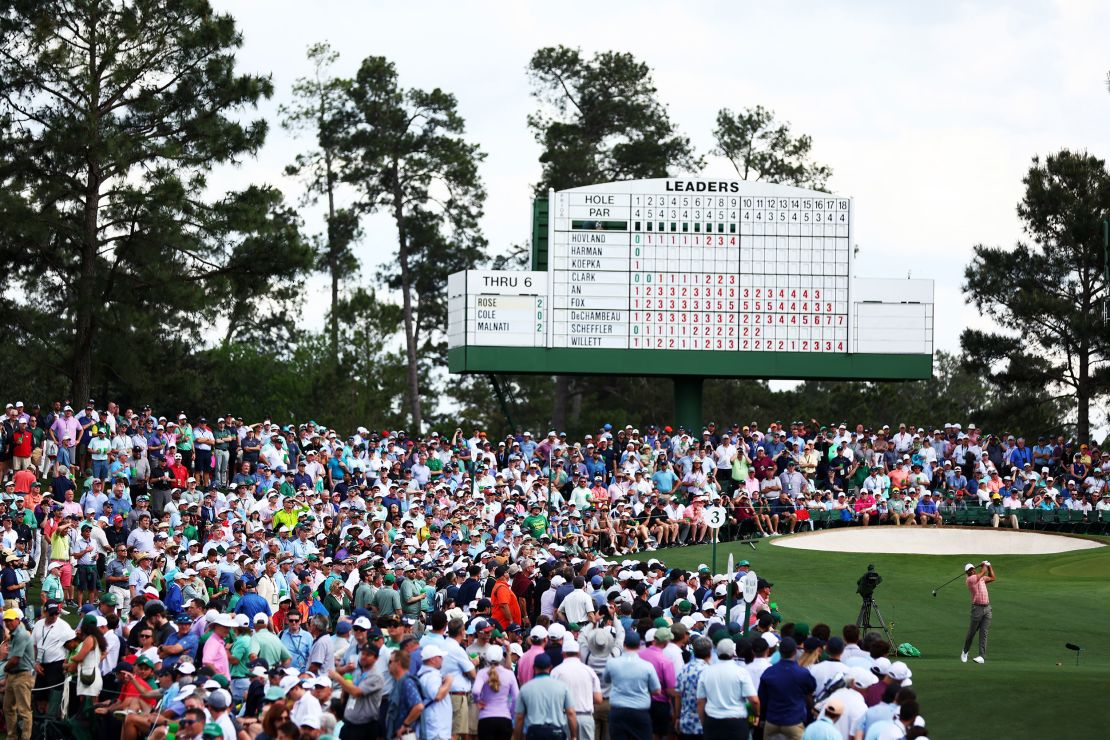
772 731
464 715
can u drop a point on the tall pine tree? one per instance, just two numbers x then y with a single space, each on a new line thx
112 116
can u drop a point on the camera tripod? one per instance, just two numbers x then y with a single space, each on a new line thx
870 610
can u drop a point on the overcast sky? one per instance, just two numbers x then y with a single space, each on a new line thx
928 116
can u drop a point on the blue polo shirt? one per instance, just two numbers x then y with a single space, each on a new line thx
664 480
250 604
783 689
633 680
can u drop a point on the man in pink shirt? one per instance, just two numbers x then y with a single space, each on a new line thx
693 517
662 722
65 432
525 667
865 507
215 648
980 608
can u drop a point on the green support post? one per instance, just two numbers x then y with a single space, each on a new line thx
687 404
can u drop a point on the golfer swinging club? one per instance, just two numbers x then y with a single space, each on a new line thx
980 609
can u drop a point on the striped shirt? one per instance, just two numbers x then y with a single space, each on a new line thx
977 586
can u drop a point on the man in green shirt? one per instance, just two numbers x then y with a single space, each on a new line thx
266 645
435 465
222 452
412 591
239 656
364 589
536 523
52 584
387 602
20 674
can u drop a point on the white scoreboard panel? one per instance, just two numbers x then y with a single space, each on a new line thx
680 264
491 308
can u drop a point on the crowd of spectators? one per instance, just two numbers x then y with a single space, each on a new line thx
249 580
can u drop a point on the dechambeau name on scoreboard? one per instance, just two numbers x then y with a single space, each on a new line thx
596 316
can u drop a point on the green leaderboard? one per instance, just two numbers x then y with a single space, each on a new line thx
690 279
710 364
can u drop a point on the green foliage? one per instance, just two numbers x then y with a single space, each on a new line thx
112 114
600 120
761 148
317 109
1047 296
405 154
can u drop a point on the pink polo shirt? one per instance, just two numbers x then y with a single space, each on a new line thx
215 655
977 586
664 668
525 667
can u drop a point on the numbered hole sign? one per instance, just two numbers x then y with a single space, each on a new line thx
714 517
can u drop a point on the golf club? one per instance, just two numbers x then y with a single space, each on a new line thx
938 588
1076 648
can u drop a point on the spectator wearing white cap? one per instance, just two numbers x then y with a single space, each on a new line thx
435 687
537 640
495 690
725 691
306 707
578 605
583 684
219 702
824 728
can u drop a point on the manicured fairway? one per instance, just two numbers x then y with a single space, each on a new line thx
1030 686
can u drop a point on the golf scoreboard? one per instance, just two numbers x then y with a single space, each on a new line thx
689 276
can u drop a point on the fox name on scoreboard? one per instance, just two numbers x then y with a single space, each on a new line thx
686 264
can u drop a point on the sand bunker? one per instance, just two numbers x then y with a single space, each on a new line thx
931 541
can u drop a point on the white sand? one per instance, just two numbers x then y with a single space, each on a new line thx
933 541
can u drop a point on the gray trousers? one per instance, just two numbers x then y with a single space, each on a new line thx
585 727
981 623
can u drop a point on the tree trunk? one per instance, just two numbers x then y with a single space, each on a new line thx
333 257
1083 395
406 301
559 403
84 319
84 324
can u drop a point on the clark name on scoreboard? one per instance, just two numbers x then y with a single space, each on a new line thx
696 277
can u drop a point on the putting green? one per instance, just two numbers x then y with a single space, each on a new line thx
1029 686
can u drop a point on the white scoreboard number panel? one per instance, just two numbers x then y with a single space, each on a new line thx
699 265
501 309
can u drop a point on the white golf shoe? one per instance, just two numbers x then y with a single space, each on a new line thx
979 659
963 657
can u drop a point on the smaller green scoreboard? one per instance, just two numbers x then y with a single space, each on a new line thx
693 277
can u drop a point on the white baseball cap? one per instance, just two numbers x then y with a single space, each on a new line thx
538 632
428 652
